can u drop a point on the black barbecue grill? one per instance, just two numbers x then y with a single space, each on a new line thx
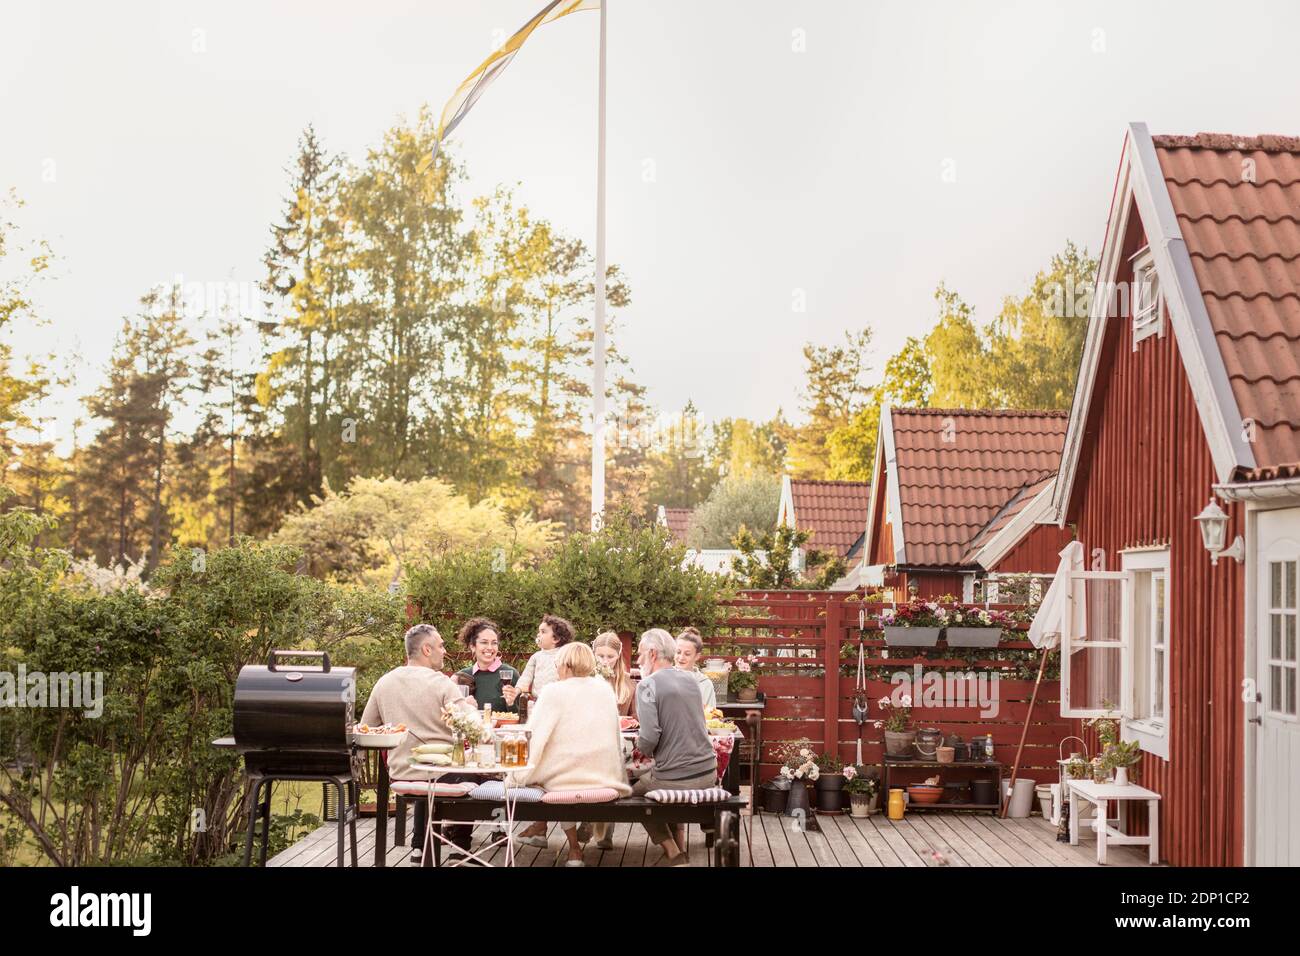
295 723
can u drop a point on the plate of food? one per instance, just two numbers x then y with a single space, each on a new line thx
383 735
720 728
628 723
505 719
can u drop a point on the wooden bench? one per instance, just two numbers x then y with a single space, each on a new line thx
723 817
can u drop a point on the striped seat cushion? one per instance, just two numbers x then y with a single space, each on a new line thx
592 795
704 795
496 790
420 788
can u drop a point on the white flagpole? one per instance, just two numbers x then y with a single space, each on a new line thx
598 342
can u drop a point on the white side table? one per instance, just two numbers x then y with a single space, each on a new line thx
1097 794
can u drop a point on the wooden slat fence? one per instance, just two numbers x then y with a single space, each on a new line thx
797 633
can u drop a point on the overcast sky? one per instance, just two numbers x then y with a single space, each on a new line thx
762 154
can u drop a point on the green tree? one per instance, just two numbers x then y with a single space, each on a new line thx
835 391
738 501
768 560
1037 340
958 356
679 472
906 383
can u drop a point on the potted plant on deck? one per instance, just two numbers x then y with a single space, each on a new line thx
742 682
914 624
829 784
800 768
863 790
1119 756
899 733
975 627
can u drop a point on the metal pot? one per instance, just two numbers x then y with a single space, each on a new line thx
928 742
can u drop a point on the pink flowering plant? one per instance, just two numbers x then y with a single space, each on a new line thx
960 616
915 613
743 673
898 716
857 780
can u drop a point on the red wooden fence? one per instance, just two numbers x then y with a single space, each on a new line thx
797 633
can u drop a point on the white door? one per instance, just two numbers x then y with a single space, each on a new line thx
1277 752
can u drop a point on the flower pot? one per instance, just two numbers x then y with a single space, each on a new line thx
774 797
1044 792
973 636
945 754
861 805
898 743
747 694
912 636
983 792
797 803
830 794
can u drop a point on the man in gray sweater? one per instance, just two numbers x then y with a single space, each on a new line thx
672 731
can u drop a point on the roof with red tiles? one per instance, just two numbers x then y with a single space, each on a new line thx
678 521
964 473
1237 199
834 511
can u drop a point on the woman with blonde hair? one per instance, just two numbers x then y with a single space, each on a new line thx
608 649
575 742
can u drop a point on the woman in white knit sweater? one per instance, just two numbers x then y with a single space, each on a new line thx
575 742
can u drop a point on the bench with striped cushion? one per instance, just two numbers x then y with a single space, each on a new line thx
702 795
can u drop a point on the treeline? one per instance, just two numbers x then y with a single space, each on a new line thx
402 332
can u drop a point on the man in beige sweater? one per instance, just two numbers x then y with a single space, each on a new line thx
415 694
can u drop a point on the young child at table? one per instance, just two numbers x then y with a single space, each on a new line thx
609 655
542 669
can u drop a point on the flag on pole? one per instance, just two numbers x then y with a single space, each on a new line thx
467 94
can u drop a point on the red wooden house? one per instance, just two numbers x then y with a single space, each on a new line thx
957 494
1188 393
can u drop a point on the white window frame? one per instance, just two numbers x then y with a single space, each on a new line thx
1152 734
1266 688
1147 310
1070 643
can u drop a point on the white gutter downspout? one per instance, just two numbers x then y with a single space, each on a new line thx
1259 490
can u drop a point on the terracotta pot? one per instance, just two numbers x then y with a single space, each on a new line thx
898 743
945 754
747 694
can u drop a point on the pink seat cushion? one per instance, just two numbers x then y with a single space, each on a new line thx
593 795
420 788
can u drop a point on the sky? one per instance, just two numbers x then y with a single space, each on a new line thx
778 172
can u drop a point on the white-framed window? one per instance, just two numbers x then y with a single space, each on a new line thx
1281 692
1146 302
1146 699
1095 643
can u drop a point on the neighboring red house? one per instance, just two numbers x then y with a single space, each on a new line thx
957 494
1189 388
835 512
677 521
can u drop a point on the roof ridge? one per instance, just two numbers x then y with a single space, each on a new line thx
1025 412
1228 142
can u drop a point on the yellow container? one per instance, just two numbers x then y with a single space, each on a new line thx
895 804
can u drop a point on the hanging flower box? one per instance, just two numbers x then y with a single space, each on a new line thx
915 624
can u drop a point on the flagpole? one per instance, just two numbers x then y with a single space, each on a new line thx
598 341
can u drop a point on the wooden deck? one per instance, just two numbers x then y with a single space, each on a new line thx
934 839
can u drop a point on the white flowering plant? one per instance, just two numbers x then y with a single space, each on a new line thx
898 716
466 724
959 616
800 763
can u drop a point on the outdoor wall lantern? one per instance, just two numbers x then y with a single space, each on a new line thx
1214 531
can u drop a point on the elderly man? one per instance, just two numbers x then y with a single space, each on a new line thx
415 694
672 731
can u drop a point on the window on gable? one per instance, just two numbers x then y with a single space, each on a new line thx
1147 303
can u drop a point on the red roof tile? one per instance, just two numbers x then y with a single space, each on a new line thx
963 473
678 521
835 512
1243 235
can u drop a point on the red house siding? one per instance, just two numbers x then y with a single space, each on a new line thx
1144 474
1038 553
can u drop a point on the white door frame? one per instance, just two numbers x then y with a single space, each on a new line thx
1250 669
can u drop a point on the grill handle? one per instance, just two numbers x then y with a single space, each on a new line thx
323 655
